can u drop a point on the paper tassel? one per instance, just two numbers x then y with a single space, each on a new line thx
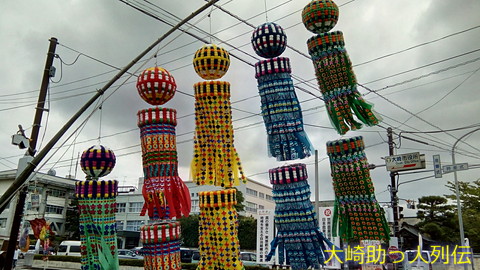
215 160
333 69
161 245
301 244
218 231
165 194
97 206
281 110
356 211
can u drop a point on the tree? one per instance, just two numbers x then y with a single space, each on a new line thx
240 199
437 218
247 232
470 197
72 224
189 227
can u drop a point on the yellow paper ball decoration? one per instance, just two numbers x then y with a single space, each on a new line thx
211 62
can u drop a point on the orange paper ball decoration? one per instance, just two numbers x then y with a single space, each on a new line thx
156 85
211 62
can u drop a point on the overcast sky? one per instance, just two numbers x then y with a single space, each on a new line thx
421 58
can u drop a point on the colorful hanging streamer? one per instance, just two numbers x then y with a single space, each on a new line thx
218 231
333 69
281 110
161 245
357 212
165 194
301 244
97 206
215 161
282 114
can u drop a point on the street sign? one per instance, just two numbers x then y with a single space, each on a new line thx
437 166
455 167
393 253
405 162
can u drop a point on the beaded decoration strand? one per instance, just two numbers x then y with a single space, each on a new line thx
333 69
301 244
97 207
356 211
281 111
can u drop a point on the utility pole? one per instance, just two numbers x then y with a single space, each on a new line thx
393 185
47 73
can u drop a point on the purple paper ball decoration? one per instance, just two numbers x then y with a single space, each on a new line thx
269 40
97 161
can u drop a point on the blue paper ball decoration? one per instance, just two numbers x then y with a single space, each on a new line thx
269 40
97 161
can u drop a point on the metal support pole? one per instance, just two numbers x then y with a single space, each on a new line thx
457 193
317 191
393 185
17 218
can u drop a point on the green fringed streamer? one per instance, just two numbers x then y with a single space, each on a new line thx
357 212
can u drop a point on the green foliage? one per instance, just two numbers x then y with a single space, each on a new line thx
470 198
190 231
72 223
437 218
240 199
247 232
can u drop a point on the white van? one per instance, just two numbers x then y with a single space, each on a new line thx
69 248
413 261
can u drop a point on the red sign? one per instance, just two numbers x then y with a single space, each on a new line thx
393 253
327 212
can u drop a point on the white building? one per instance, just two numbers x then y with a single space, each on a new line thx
48 197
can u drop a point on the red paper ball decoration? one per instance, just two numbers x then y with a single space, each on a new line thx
269 40
211 62
97 161
156 85
320 16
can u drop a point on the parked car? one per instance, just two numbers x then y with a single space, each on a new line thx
128 254
413 261
186 255
196 256
248 258
69 248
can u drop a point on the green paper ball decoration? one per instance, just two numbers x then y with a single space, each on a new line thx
320 16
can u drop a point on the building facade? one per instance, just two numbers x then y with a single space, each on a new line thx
48 197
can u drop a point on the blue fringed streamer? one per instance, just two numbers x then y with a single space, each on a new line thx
281 111
300 242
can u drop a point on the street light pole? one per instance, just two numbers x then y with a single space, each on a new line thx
457 192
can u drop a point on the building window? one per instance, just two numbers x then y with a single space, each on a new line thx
270 198
261 195
261 206
134 225
121 207
251 207
57 193
120 224
135 207
54 209
3 223
252 192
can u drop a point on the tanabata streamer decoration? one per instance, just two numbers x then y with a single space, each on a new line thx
356 211
161 245
216 161
166 195
301 244
333 69
281 110
218 230
97 206
42 231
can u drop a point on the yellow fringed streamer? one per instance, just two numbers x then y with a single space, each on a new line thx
215 162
